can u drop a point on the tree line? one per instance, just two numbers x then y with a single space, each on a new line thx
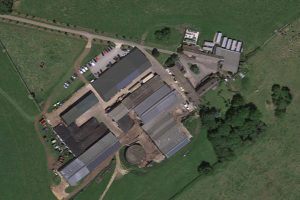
241 124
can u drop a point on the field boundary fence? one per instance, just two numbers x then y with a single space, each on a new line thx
20 75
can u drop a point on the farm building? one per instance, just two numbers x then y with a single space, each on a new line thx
166 134
190 37
79 107
121 74
163 100
79 139
90 159
231 59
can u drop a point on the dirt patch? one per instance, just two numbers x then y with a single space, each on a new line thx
59 190
135 154
144 36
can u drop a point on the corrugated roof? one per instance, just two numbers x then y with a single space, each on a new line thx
152 100
118 112
166 134
82 105
121 74
171 100
89 160
143 92
231 59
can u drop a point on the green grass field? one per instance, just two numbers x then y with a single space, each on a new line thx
163 180
23 160
95 51
268 169
161 58
28 48
218 98
98 185
251 22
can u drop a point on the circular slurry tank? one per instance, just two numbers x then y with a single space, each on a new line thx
135 154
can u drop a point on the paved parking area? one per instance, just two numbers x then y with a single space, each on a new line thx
183 82
206 64
101 64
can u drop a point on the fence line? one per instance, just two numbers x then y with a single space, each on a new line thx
20 75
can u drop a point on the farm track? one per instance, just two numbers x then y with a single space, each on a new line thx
88 35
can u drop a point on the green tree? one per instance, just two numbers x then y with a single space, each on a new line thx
237 100
208 117
6 6
281 98
194 68
162 34
205 168
170 62
237 116
155 52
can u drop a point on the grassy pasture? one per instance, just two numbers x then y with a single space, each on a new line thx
161 58
28 48
23 162
163 180
250 21
268 169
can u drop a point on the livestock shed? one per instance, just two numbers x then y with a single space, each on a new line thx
166 134
143 92
79 139
120 115
79 107
162 100
121 74
89 160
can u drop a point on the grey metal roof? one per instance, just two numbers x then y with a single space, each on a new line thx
118 112
171 100
89 160
166 134
82 105
231 59
125 123
121 74
143 92
152 100
160 101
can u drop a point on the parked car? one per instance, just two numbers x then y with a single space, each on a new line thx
82 69
181 88
86 69
42 121
89 64
66 84
102 53
168 71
